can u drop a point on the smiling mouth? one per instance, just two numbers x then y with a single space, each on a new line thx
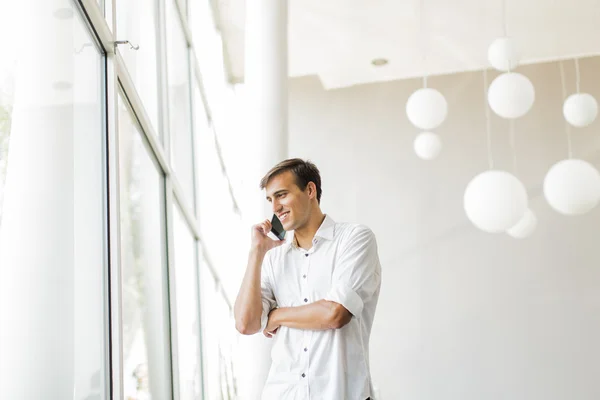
283 216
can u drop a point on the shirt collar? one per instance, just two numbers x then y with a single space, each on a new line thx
325 231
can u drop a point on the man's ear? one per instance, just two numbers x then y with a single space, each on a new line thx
312 189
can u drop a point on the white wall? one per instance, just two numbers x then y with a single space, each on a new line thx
463 315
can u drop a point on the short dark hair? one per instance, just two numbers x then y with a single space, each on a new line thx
304 171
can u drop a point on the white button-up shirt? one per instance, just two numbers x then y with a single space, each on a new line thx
342 266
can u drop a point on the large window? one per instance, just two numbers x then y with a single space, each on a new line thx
146 373
87 309
53 295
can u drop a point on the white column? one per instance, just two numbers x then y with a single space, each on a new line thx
266 76
266 93
37 232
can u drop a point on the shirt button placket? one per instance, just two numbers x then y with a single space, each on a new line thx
305 291
306 358
304 275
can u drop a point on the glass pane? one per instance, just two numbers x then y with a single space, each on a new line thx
137 22
89 214
217 339
145 340
209 51
216 210
52 191
179 102
188 322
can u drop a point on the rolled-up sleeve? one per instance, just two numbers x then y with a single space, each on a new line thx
267 294
357 273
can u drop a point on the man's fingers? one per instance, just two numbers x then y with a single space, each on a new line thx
267 334
270 334
266 227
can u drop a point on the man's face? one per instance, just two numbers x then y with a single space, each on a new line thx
291 204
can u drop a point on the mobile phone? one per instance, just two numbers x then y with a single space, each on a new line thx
277 228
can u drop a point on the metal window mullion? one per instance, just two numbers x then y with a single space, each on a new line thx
114 231
163 74
182 6
181 12
196 268
113 365
198 80
96 17
190 81
171 184
172 290
199 316
113 16
186 210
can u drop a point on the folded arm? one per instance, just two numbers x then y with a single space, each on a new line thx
320 315
355 279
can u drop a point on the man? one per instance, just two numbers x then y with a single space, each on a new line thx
315 294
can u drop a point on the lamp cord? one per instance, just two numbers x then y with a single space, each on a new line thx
488 127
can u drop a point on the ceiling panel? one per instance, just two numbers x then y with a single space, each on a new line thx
336 40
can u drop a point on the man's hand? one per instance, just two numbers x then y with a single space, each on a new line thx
272 324
260 241
247 309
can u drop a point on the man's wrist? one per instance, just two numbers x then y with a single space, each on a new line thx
275 314
257 253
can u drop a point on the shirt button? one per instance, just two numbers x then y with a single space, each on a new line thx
305 349
303 375
306 255
304 276
306 300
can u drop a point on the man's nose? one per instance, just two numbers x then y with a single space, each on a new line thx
276 207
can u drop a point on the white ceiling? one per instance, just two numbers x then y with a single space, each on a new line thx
337 39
